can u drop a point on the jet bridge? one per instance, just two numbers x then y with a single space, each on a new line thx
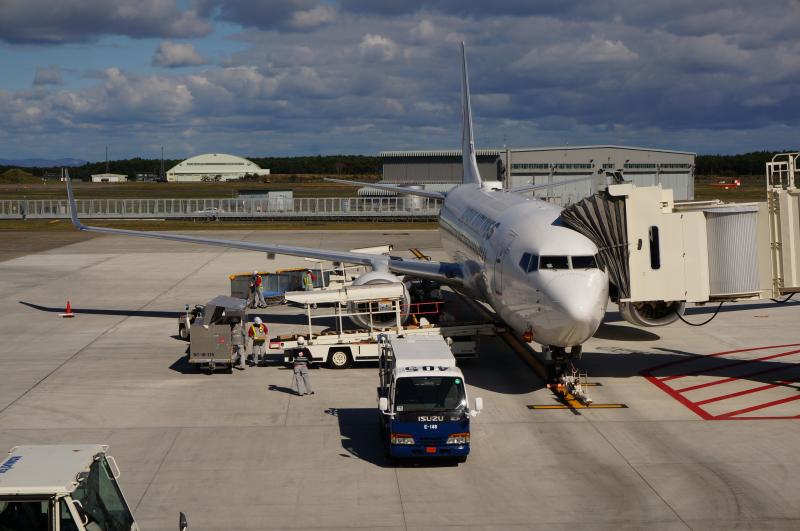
660 254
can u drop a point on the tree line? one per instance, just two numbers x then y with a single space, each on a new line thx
743 164
320 164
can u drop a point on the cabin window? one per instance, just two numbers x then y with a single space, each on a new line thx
584 262
554 262
529 262
524 261
655 249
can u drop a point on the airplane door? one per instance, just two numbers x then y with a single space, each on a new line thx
502 252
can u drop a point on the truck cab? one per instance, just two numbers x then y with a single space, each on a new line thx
62 488
422 399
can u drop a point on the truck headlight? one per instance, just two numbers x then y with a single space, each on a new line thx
458 438
402 438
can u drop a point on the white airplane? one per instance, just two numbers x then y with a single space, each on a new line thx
509 250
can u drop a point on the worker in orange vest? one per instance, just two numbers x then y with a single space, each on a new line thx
257 332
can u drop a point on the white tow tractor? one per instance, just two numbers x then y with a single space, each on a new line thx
380 307
63 488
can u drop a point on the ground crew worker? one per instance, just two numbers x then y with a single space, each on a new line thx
258 333
308 280
237 343
300 364
255 285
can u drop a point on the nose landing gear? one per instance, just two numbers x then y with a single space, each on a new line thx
564 379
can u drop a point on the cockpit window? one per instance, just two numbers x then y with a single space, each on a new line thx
529 262
584 262
554 262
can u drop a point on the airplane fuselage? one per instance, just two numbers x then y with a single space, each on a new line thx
538 275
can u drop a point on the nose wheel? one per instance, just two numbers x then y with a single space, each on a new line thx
564 379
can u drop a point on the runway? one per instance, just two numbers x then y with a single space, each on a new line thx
697 447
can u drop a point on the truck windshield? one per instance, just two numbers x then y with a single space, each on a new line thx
429 393
102 500
24 515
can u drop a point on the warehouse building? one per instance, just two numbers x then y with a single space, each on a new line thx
109 178
214 167
441 170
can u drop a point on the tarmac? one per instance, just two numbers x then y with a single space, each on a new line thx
708 439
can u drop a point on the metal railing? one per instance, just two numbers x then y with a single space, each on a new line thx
279 208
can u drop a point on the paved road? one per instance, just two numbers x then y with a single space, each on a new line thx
239 452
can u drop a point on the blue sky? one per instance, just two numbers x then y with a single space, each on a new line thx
300 77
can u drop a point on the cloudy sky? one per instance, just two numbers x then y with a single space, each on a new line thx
289 77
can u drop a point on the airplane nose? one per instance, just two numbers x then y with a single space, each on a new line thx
579 301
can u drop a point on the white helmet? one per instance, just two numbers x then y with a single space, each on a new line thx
255 272
301 340
257 320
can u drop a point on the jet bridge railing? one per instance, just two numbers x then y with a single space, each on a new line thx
233 208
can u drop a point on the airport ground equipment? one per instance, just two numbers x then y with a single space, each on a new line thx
422 399
340 347
62 488
661 254
210 335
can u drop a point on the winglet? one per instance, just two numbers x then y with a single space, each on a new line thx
73 208
468 160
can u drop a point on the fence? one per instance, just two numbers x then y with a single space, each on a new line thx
418 208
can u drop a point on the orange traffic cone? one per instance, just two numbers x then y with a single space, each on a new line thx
68 312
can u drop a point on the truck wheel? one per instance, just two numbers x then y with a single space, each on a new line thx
461 459
183 332
339 359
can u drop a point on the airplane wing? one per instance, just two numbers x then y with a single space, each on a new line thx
449 273
390 188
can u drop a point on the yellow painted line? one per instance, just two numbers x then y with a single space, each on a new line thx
581 406
419 254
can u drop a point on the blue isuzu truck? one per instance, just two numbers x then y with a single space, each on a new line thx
422 399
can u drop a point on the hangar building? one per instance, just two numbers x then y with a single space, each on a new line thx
441 170
213 167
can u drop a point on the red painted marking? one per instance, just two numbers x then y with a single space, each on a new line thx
741 393
696 408
682 399
759 406
716 354
729 365
736 378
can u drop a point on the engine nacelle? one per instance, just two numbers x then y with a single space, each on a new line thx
652 313
379 320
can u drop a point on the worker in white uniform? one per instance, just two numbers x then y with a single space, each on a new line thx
300 364
237 343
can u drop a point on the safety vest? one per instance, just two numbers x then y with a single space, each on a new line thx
259 332
307 280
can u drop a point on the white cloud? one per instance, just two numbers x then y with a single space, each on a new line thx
174 54
311 18
47 76
377 48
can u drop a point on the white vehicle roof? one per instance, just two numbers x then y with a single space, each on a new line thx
46 469
423 351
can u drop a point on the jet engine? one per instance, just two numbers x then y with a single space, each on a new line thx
380 319
652 313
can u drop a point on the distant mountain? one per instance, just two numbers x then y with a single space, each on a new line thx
42 163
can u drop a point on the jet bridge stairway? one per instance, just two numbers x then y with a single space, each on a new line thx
657 250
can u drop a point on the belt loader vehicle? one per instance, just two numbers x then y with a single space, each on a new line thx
380 308
63 488
422 399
